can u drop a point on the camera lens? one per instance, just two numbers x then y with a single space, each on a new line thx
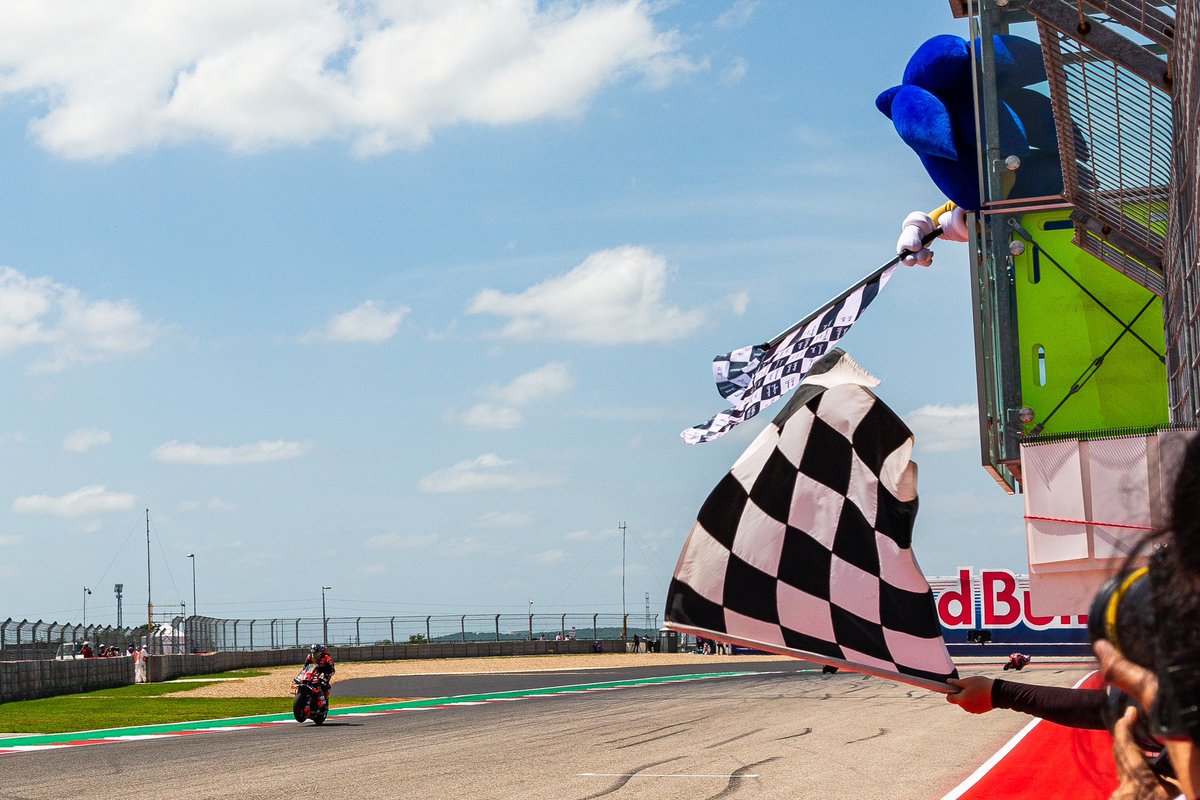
1123 613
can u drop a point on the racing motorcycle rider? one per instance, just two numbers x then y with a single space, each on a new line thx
318 655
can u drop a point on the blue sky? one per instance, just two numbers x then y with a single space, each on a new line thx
413 299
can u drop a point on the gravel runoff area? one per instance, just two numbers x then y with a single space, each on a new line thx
278 681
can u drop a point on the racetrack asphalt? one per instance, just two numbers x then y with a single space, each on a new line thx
783 732
450 685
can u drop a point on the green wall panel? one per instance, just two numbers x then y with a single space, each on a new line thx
1062 331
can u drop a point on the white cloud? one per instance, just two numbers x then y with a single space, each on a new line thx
736 71
213 504
944 429
64 325
254 74
739 302
738 14
467 546
9 539
486 472
16 437
399 541
543 383
613 297
550 557
189 453
492 417
88 500
84 439
365 323
504 519
589 535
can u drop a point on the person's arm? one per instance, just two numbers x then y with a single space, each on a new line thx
1075 708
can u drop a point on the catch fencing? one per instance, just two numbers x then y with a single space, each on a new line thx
33 641
25 640
207 634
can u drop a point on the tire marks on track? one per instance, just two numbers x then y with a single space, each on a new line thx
735 783
624 779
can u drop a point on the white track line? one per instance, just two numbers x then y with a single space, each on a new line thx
659 775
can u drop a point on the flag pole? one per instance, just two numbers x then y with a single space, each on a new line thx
936 232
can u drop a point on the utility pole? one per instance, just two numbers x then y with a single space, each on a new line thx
192 556
86 592
149 603
647 611
623 615
119 589
324 617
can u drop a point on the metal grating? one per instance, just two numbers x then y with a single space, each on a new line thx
1148 276
1180 307
1115 137
1155 21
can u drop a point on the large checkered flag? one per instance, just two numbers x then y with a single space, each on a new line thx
804 547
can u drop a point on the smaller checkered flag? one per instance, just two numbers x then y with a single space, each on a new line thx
804 548
755 376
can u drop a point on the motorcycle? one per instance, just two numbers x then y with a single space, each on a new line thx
310 702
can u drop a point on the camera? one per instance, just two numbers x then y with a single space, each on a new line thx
1122 612
1133 614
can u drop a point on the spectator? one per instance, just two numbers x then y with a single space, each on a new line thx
86 651
139 665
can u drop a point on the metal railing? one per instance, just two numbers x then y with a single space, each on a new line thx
206 634
22 640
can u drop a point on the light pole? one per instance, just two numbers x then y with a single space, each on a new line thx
531 620
324 619
192 556
86 592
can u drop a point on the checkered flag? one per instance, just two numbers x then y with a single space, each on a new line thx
804 548
755 376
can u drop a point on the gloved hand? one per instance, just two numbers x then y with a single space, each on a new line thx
953 224
916 227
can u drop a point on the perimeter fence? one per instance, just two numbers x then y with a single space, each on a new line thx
25 640
32 641
205 634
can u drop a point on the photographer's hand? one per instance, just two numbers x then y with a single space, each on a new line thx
1138 781
1134 680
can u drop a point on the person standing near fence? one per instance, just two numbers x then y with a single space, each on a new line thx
139 665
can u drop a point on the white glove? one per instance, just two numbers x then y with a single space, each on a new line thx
917 226
953 224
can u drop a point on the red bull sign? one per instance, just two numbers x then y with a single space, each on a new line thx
996 599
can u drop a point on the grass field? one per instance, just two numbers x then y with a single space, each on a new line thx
141 704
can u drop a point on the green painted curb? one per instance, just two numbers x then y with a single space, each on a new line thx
234 722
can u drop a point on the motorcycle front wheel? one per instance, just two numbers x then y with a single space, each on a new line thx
300 707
